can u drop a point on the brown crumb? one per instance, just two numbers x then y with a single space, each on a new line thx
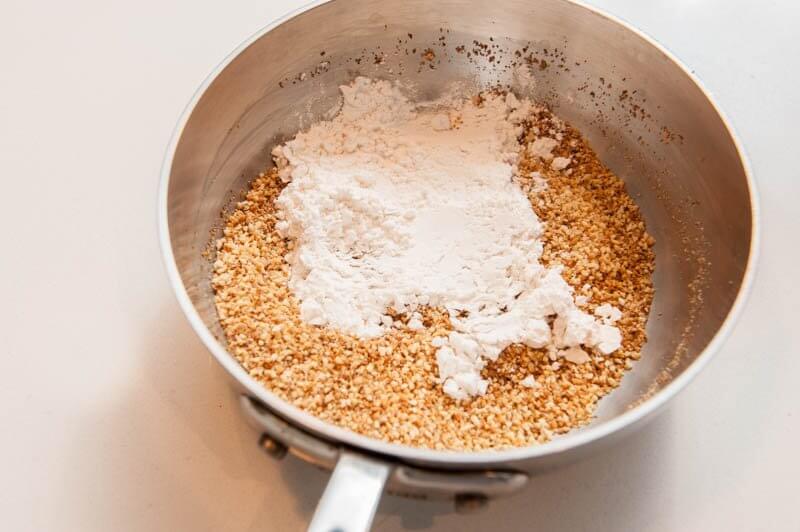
387 387
428 54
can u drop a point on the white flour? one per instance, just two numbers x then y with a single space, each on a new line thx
393 206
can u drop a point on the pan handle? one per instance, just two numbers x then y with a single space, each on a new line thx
352 494
358 480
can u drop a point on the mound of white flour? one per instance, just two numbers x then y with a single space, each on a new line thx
393 206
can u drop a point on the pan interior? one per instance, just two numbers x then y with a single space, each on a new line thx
645 117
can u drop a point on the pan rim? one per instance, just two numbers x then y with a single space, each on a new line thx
446 458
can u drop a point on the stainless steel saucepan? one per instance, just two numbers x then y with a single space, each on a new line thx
646 115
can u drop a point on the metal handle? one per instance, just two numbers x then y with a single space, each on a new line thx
351 496
363 477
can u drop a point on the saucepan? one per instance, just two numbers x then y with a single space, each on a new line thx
645 114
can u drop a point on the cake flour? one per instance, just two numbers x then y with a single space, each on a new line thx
391 206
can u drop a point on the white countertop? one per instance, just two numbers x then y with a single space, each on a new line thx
114 417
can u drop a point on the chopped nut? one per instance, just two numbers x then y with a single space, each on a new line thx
387 387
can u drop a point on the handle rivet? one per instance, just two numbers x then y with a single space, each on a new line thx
467 503
272 447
